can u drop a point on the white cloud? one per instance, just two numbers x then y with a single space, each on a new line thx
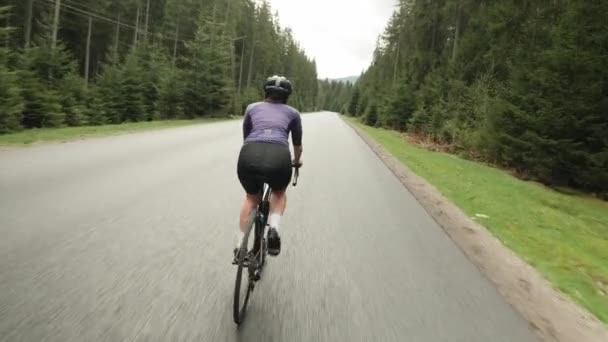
340 34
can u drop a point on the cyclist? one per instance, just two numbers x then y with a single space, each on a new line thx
265 156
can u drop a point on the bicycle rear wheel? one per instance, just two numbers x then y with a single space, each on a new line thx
244 284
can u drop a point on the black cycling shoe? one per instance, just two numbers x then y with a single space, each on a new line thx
274 242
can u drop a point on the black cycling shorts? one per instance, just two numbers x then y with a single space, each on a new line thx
261 163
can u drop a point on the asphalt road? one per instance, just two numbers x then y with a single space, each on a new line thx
129 238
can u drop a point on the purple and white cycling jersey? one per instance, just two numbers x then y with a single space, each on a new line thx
272 123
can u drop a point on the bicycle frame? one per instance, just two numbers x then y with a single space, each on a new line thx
261 217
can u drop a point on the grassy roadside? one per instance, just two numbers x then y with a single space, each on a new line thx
565 237
32 136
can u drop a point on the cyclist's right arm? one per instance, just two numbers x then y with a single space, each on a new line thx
296 137
298 155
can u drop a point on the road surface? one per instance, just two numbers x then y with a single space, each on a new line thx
129 238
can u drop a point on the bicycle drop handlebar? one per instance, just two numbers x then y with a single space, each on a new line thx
297 173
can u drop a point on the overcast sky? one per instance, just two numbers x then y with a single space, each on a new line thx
340 34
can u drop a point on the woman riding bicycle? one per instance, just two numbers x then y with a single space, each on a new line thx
265 156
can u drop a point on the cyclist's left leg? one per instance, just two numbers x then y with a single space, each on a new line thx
248 174
250 202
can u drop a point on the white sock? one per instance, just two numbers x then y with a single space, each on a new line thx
239 239
274 221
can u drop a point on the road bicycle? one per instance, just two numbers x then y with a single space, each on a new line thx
252 254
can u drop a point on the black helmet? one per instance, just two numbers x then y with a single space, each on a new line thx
278 85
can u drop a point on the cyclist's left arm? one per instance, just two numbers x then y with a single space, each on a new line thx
247 125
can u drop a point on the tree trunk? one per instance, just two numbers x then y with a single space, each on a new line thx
233 69
117 37
136 27
250 71
226 19
147 21
28 23
457 34
213 13
8 36
434 36
241 68
175 43
88 53
56 24
240 84
395 71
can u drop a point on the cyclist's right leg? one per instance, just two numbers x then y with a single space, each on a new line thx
278 204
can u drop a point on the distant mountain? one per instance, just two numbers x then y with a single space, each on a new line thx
351 79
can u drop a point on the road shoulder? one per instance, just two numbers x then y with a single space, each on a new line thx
551 314
46 136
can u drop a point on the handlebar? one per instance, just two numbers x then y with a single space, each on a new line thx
296 173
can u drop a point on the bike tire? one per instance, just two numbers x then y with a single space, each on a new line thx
238 309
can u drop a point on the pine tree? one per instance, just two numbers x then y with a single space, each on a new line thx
353 105
42 104
153 63
400 107
108 98
96 110
371 116
11 102
73 98
450 70
208 79
133 88
170 91
363 105
237 45
43 71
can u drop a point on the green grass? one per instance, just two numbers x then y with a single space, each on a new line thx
32 136
563 236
